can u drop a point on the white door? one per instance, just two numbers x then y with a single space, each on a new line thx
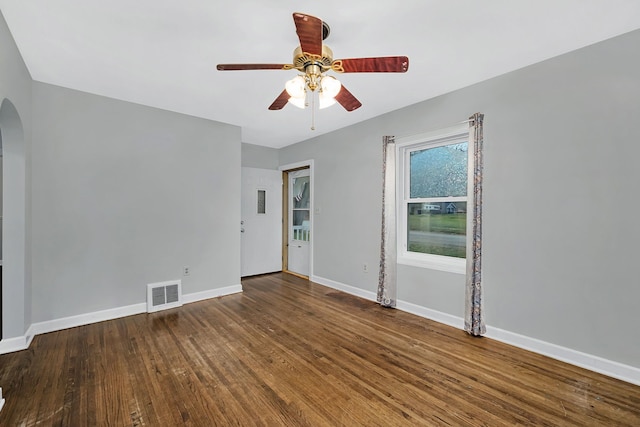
261 224
299 221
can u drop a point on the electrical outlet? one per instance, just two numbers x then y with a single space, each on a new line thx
365 267
186 271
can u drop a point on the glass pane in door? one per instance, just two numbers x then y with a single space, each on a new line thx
301 225
300 202
300 193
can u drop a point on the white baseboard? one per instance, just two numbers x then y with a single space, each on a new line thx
346 288
22 342
87 318
427 313
212 293
9 345
598 364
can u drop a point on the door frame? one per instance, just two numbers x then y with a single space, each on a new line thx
292 167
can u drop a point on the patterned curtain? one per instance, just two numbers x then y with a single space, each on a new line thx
474 318
387 279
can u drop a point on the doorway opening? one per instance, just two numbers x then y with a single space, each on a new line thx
297 221
15 307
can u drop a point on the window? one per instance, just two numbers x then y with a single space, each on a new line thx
262 201
433 183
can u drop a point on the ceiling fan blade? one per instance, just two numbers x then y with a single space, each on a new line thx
384 64
235 67
347 100
309 29
280 101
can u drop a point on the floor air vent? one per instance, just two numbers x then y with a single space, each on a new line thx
164 295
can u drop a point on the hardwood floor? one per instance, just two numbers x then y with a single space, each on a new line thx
290 352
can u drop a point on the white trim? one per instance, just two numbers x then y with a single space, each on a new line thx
435 262
593 363
212 293
404 146
598 364
1 399
9 345
29 335
346 288
427 313
87 318
23 342
312 189
446 133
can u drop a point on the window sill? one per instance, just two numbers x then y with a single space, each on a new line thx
450 265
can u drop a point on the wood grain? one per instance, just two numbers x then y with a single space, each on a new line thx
384 64
241 67
290 352
280 101
347 100
309 30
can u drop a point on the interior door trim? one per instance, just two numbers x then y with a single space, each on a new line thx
292 167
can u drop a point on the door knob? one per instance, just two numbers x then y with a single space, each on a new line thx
242 230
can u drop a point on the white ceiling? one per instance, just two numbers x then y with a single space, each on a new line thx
163 53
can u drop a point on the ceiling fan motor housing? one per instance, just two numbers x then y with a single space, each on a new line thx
302 59
312 65
325 30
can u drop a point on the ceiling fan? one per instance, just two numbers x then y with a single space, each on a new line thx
313 59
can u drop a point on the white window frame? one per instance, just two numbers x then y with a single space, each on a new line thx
404 146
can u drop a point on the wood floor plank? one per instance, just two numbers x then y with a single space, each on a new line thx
289 352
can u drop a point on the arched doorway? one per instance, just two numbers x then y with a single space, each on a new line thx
14 308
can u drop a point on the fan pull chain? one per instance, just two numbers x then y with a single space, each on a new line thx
313 110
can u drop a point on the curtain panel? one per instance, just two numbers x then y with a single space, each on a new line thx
387 286
474 316
387 280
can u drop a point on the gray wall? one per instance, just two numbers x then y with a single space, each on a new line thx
257 156
1 195
125 195
15 125
560 230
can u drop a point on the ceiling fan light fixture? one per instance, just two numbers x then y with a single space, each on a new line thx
296 87
299 102
325 101
330 86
